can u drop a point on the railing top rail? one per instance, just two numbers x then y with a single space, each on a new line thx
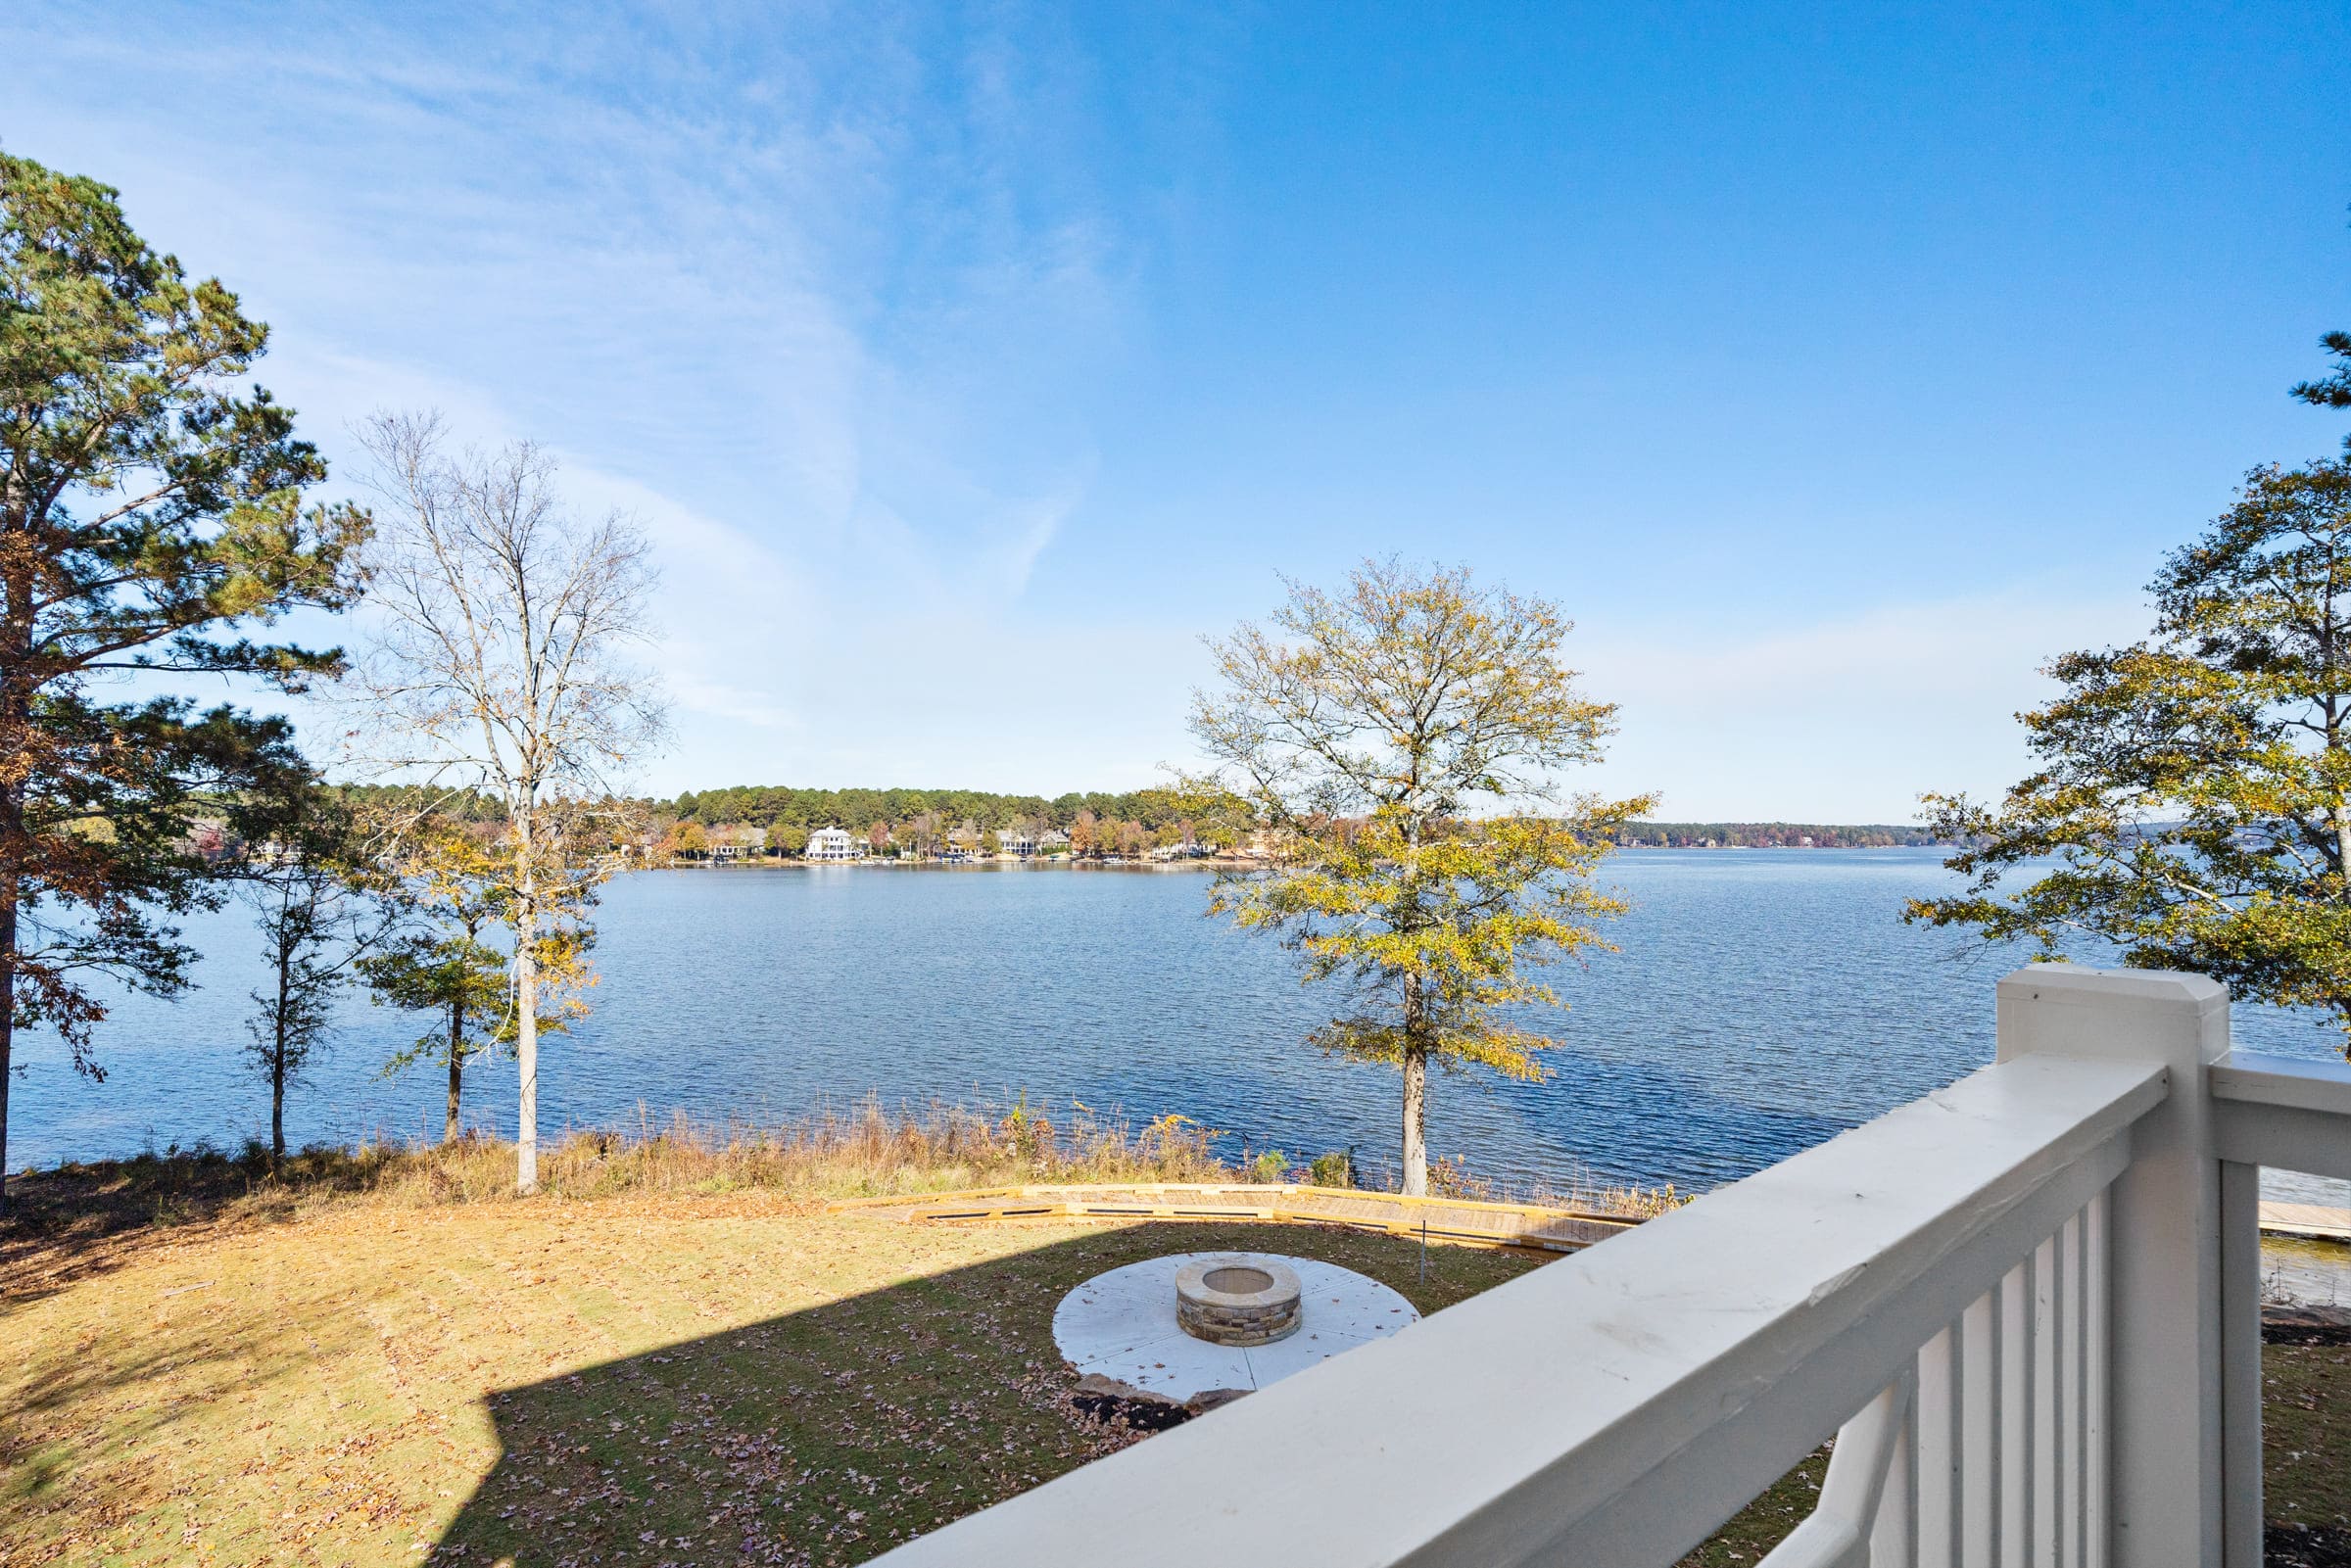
2257 1078
2282 1111
1627 1400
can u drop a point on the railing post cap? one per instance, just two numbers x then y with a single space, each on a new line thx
2077 982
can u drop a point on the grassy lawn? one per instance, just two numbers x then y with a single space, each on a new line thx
639 1379
622 1381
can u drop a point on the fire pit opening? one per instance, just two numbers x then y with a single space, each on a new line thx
1237 1281
1240 1299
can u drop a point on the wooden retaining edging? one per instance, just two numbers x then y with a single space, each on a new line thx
1525 1228
2311 1221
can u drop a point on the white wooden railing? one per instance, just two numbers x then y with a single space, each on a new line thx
2026 1305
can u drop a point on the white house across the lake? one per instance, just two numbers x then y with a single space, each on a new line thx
833 844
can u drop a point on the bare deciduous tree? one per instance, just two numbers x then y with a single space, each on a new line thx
499 663
322 907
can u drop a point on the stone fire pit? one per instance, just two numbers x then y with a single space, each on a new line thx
1237 1299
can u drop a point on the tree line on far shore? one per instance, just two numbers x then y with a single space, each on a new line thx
1143 819
777 821
781 806
1777 835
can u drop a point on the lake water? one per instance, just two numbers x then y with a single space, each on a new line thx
1762 1001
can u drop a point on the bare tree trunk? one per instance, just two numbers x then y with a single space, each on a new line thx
1416 1094
526 1021
456 1068
2342 838
277 1108
1415 1122
277 1072
1416 1037
2342 866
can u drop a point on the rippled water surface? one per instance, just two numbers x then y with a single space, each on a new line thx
1763 1000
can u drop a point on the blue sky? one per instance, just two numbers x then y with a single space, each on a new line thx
1832 366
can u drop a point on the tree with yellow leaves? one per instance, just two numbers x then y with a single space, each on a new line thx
1369 729
458 881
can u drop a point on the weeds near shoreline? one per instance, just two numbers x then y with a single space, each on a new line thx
862 1151
1583 1190
866 1151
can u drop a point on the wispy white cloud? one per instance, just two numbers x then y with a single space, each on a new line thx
824 316
1845 719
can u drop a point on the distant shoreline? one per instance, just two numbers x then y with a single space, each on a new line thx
1187 864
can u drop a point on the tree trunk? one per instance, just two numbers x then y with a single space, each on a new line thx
277 1108
456 1068
1415 1022
1416 1093
526 1021
8 1017
1415 1122
16 724
2343 839
2342 866
277 1070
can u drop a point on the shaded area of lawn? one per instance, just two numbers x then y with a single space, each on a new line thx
834 1433
2306 1450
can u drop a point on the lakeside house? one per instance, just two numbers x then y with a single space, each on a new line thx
738 844
1017 842
832 843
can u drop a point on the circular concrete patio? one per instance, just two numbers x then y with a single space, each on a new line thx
1121 1326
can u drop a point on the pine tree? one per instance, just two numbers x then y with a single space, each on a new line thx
151 514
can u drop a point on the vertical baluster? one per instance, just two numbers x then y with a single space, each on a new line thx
1894 1538
2047 1378
2071 1391
2094 1366
1980 1431
2016 1416
1868 1499
1937 1449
